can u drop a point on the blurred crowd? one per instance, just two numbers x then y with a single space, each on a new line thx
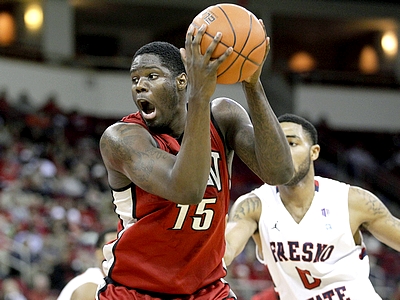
54 199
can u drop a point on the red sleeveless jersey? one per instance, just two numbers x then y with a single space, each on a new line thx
164 247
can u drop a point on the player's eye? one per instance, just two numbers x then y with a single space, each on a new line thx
153 76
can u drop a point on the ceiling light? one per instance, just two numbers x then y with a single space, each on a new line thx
33 17
368 61
7 29
302 61
389 43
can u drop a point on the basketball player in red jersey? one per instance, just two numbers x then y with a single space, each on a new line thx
169 170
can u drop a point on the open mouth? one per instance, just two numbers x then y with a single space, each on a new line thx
147 108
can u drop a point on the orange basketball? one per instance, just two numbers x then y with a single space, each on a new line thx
241 30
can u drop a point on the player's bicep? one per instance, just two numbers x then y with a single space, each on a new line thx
240 137
242 224
235 123
370 212
130 153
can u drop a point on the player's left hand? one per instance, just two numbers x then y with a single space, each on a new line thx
201 69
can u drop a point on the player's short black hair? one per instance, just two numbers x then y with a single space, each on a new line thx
169 55
101 237
307 125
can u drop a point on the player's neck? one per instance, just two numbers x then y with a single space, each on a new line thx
298 198
300 191
178 125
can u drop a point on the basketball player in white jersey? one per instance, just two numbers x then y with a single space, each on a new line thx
308 231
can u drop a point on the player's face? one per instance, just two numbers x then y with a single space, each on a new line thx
301 149
154 92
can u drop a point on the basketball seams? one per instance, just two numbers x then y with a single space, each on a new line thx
239 53
233 46
246 58
241 31
210 35
231 26
252 19
254 49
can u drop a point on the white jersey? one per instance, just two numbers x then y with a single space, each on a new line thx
317 258
91 275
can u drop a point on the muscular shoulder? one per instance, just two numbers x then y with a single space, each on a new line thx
119 139
226 110
362 200
364 207
120 132
225 105
247 206
122 147
230 116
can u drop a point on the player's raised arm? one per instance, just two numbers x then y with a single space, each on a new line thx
273 162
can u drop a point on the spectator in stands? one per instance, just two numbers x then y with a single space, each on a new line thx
84 286
11 290
359 161
5 108
24 104
393 162
40 287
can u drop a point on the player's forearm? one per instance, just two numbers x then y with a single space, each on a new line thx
271 147
229 255
192 167
233 248
237 234
387 231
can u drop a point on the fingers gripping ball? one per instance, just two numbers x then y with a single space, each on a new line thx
241 30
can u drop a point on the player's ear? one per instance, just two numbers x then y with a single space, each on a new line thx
314 152
181 81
